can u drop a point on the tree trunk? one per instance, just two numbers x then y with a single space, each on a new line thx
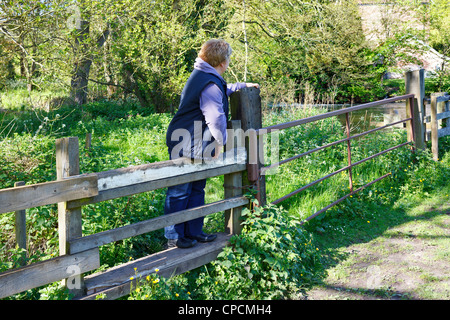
131 83
82 66
110 89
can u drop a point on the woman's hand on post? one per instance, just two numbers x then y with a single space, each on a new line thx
254 85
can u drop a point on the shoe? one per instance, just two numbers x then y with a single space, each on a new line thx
184 243
203 237
171 243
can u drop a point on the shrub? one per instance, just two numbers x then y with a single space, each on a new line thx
273 258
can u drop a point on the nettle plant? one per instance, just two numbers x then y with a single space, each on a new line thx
273 258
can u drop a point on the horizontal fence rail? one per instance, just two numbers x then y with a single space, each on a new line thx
132 230
411 110
295 123
40 194
48 271
143 178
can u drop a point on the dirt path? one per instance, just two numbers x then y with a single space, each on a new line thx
408 261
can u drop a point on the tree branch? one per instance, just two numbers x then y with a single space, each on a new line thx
20 46
112 84
270 34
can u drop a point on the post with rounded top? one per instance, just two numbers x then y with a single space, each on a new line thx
69 220
245 105
415 84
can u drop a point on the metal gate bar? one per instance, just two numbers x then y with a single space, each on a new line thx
263 169
343 198
346 111
338 171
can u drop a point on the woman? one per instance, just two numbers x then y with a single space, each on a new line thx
201 120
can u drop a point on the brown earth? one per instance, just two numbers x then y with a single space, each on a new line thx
407 262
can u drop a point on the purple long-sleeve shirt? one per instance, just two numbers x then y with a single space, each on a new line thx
211 103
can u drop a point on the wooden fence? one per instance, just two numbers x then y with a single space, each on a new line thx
439 111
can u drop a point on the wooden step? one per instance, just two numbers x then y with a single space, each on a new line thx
115 282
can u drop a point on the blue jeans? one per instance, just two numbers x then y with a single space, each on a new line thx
181 197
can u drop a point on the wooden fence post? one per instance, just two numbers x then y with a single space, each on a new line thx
20 225
233 181
88 141
434 127
414 133
69 220
415 84
245 105
435 109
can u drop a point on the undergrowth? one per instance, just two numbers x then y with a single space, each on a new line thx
273 258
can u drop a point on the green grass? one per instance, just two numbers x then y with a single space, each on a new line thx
15 96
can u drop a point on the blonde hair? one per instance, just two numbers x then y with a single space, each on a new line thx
215 51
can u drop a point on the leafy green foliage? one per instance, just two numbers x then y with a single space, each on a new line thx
273 258
149 48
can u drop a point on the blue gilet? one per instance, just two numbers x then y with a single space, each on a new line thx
189 109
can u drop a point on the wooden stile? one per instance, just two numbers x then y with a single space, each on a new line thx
73 190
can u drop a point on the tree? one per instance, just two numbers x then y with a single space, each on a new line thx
439 24
85 45
316 43
19 26
154 45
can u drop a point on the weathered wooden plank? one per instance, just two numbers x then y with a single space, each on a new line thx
101 238
25 197
117 178
188 174
443 115
443 132
443 98
115 282
45 272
